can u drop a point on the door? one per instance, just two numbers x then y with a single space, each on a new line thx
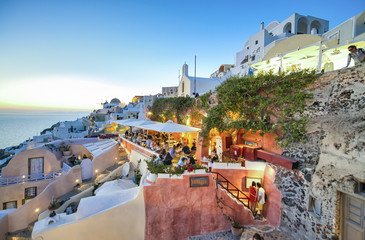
36 166
354 215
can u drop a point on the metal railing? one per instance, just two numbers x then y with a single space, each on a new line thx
237 194
30 178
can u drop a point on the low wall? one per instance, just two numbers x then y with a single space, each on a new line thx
125 221
106 159
22 216
16 192
174 210
129 146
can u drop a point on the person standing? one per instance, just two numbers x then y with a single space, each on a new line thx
357 54
260 199
253 197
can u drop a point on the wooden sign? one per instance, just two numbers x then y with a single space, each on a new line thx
199 181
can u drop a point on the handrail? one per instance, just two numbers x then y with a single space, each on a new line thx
30 178
229 190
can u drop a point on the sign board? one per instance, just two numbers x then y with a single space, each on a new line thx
199 181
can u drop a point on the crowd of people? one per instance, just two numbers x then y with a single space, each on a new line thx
159 143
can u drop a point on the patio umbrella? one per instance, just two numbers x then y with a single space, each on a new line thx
170 127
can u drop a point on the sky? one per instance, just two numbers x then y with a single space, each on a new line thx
70 55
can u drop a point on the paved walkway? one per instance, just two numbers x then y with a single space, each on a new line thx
268 232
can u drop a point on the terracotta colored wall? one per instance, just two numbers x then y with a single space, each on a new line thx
16 192
267 141
237 176
26 214
18 165
176 211
106 159
272 208
202 149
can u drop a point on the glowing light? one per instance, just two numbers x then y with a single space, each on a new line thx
77 180
23 176
96 171
36 210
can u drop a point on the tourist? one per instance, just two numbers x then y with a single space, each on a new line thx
139 138
173 151
215 156
186 148
148 142
182 162
260 199
168 159
253 197
191 158
210 164
357 54
193 147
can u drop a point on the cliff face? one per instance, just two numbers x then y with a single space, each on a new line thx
332 160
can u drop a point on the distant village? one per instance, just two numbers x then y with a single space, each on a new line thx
77 179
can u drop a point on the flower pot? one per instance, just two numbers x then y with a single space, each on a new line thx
236 231
152 177
67 153
200 171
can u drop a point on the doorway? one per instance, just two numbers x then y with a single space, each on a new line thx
353 218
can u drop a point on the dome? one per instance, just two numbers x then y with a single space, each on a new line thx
115 101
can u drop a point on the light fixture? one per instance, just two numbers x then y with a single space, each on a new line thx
36 210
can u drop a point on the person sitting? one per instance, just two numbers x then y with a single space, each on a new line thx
173 151
191 159
186 148
148 142
214 156
168 159
182 162
193 147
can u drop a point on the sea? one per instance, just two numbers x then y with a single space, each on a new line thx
16 127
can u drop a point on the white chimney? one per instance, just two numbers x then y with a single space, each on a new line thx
262 26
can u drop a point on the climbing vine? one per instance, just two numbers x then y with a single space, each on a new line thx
164 109
262 103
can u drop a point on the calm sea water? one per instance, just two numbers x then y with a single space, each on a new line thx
18 127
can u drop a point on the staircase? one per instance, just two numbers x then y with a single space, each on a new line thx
232 190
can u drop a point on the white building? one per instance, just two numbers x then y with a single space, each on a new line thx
169 91
258 45
202 85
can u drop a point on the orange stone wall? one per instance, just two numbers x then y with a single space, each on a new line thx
174 210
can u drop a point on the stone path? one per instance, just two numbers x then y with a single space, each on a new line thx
268 232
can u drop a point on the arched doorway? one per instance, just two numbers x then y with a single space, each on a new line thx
287 28
316 27
302 26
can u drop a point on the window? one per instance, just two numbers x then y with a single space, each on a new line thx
257 42
8 205
30 192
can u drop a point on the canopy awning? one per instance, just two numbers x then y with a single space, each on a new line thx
170 127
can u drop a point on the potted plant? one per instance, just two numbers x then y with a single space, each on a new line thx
155 169
65 149
53 205
236 228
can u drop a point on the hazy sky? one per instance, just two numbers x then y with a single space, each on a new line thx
71 54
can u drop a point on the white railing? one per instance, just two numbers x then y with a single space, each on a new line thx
30 178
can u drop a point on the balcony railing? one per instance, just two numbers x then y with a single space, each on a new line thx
30 178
